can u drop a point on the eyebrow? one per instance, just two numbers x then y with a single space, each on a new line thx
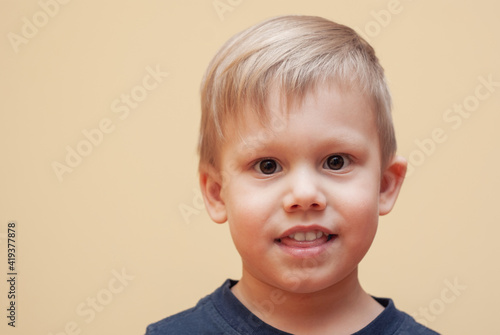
339 140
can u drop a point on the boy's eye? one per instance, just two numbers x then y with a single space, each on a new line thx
336 162
268 166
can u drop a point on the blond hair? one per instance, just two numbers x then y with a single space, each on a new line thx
296 53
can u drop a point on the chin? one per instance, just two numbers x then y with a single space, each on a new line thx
315 280
307 284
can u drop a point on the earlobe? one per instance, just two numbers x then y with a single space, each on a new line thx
211 187
390 184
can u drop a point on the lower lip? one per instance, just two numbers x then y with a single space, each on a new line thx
306 249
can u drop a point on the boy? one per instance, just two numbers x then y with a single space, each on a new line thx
297 153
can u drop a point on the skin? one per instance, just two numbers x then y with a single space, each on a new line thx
317 169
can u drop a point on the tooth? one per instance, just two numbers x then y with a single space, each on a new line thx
310 235
319 234
300 236
291 235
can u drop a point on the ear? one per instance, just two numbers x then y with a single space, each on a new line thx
390 183
211 186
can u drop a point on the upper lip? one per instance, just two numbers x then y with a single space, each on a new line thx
306 228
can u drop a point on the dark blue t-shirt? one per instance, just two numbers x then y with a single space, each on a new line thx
222 313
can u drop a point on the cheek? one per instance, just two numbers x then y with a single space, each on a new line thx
358 213
358 205
247 210
359 194
247 218
245 199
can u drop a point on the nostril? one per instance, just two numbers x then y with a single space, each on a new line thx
313 206
304 202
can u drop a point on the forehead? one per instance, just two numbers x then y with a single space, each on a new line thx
328 110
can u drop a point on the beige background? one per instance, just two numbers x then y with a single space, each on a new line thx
121 208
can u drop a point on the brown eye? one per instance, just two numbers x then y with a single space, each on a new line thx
335 162
267 166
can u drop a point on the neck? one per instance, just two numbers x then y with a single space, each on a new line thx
341 308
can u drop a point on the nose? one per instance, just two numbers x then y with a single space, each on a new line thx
304 192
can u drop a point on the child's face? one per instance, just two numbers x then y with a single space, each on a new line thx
303 196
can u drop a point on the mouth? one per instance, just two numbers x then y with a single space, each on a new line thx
308 236
303 238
